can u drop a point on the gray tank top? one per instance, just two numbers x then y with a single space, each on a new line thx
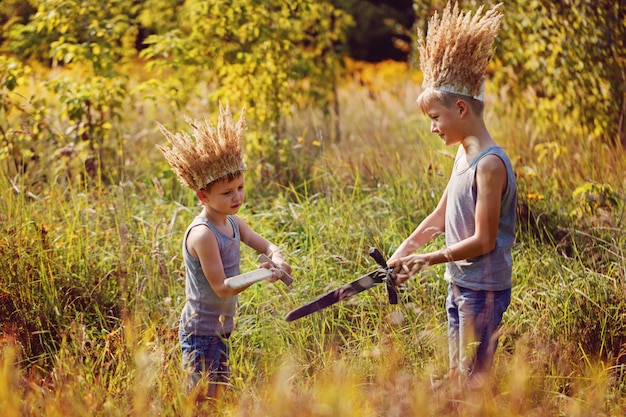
491 271
204 313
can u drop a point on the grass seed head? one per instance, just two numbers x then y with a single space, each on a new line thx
457 49
211 154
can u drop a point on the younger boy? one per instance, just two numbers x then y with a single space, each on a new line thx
213 166
477 209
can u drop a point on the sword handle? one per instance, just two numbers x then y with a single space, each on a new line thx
378 257
392 292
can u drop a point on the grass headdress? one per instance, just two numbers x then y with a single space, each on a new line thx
215 153
457 49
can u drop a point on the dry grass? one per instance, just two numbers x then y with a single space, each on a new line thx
215 153
457 49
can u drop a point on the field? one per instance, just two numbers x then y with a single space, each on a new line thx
93 283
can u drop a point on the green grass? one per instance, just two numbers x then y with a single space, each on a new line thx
93 285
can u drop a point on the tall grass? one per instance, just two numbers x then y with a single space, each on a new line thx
93 282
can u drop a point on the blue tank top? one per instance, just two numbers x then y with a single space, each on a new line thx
491 271
204 313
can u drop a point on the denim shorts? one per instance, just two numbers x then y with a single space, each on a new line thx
204 356
473 320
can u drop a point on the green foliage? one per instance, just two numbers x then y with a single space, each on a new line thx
13 11
12 74
94 40
25 131
158 16
78 31
270 56
73 261
563 64
579 304
91 107
593 198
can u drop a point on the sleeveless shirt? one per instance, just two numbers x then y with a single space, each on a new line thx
204 313
491 271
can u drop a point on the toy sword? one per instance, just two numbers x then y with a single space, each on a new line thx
382 274
248 278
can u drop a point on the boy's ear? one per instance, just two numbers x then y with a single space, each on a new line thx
201 194
461 107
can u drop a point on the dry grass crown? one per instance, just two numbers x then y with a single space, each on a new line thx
215 153
457 49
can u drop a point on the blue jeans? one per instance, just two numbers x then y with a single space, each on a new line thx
205 356
473 319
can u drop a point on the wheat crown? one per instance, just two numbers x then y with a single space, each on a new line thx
215 153
457 49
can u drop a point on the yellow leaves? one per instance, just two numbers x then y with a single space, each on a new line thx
12 73
594 199
563 51
63 28
534 196
417 77
378 76
551 150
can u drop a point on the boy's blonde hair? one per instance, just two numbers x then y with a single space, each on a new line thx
457 49
215 153
431 96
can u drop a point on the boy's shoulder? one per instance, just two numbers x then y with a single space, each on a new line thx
491 163
200 227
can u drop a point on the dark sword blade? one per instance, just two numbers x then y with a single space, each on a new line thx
345 291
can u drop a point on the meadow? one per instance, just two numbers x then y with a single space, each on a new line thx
92 278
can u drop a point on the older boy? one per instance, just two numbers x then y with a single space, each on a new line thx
477 209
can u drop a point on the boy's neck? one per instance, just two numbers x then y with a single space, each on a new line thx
473 144
217 219
478 140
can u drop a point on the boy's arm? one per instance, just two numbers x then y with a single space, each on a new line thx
202 243
432 226
262 245
491 180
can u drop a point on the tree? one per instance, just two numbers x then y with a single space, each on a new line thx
13 11
269 55
99 40
564 63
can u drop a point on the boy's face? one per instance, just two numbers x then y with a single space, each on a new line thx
225 196
444 120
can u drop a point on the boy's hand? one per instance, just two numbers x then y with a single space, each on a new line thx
405 267
284 266
283 269
280 269
276 272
